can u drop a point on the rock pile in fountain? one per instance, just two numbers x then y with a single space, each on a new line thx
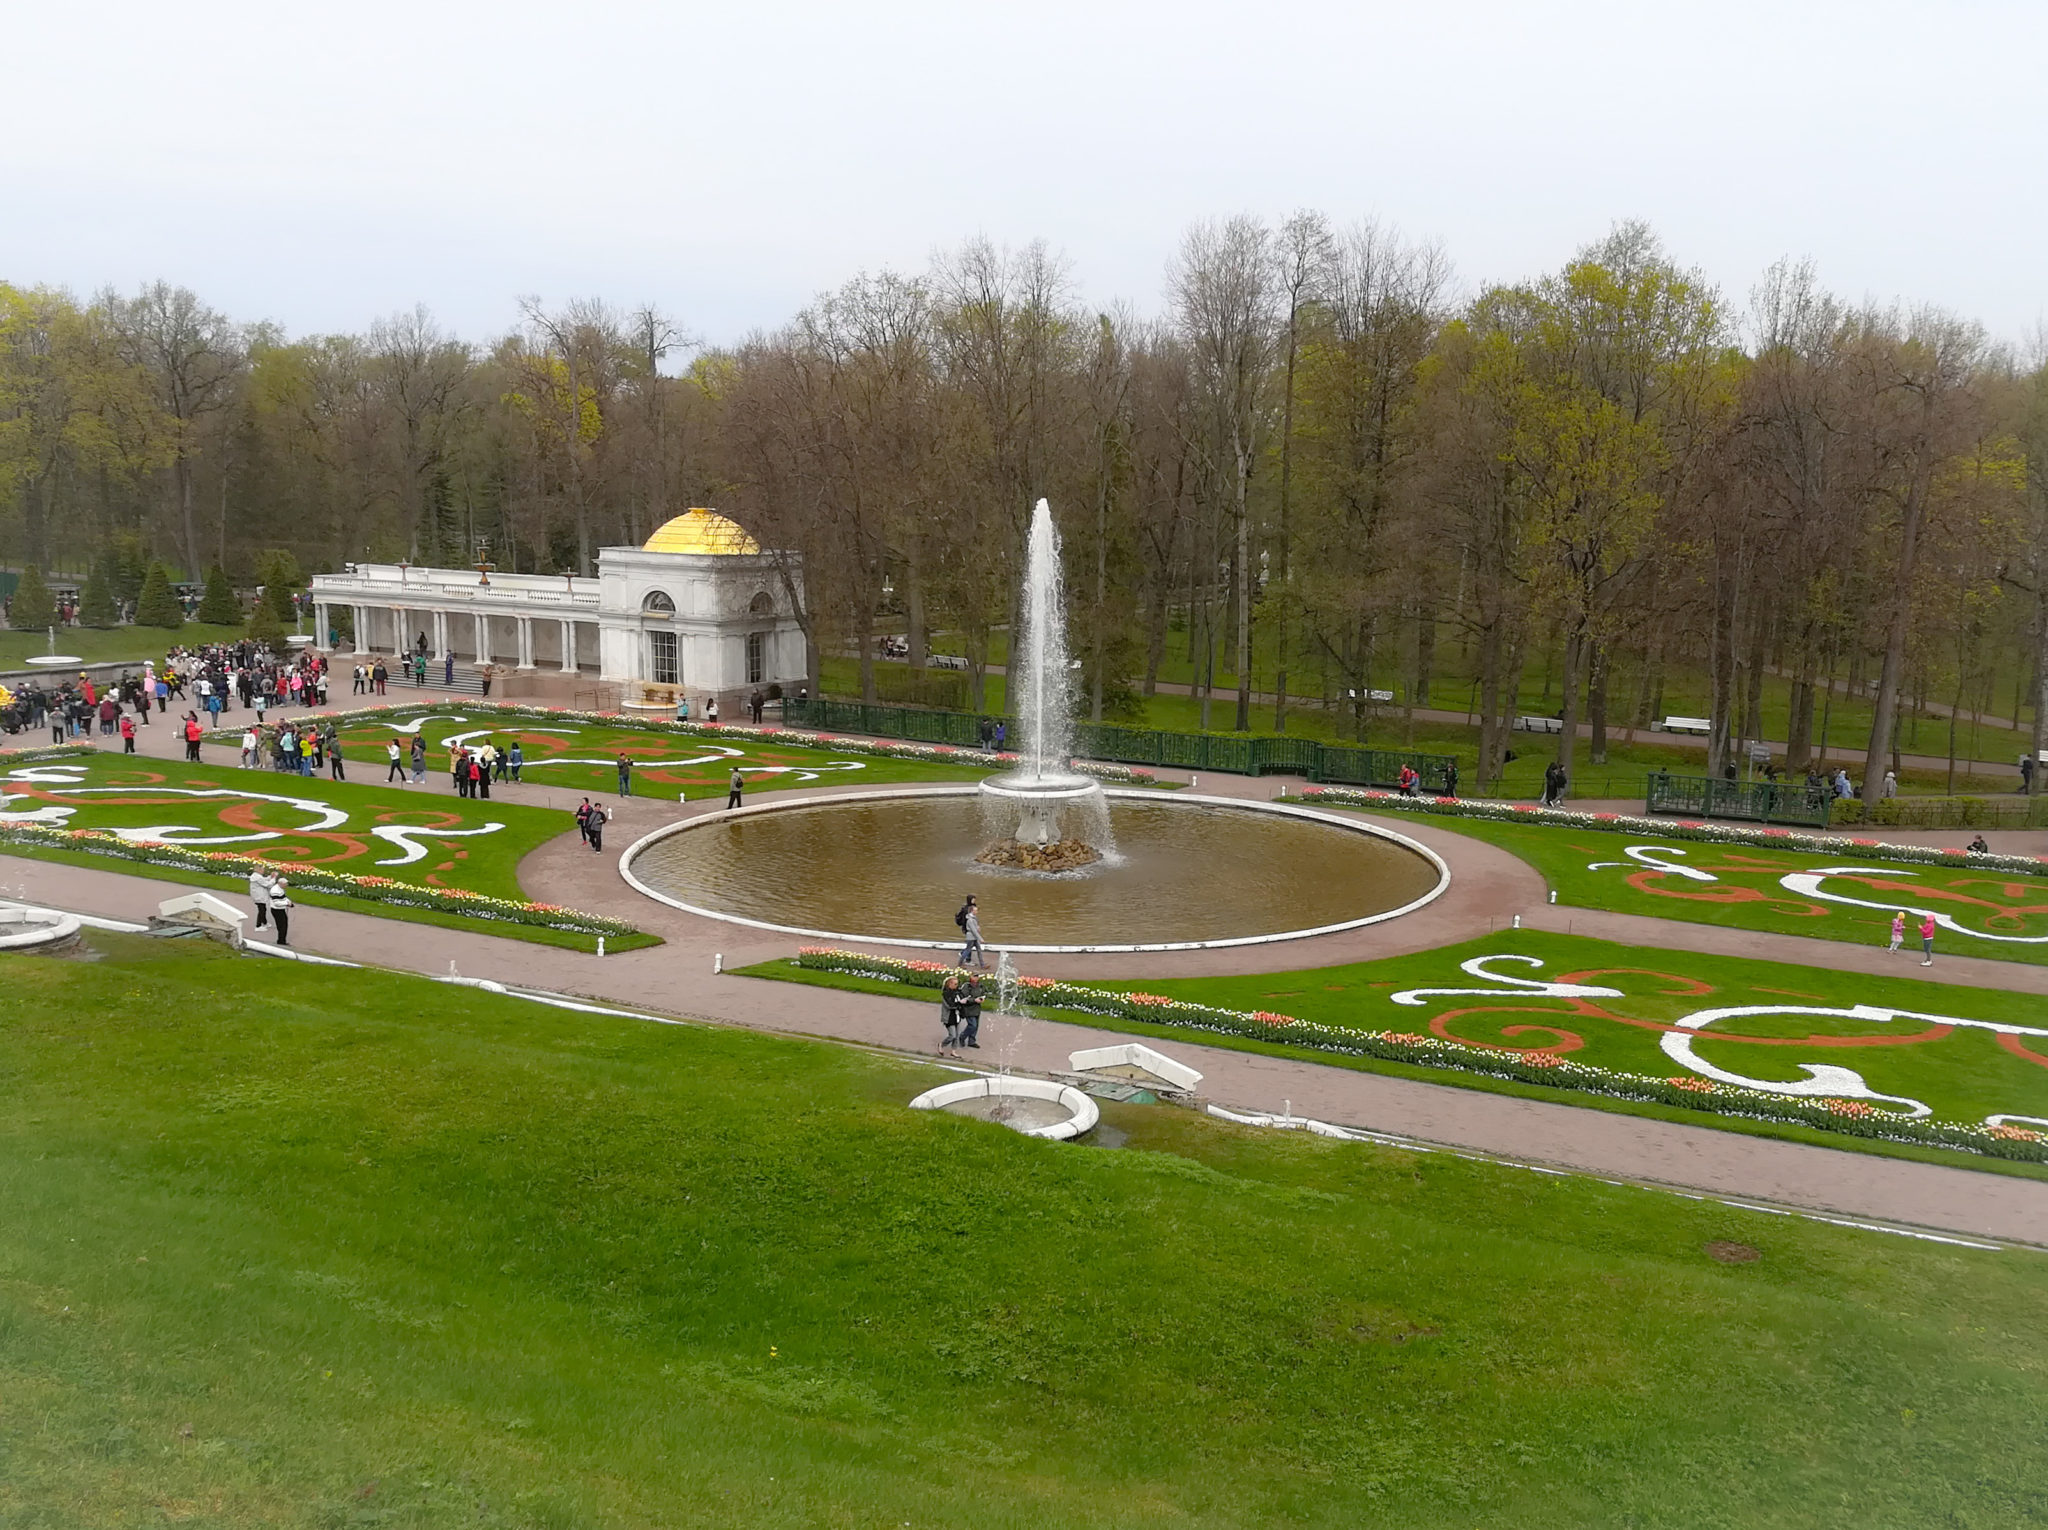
1049 816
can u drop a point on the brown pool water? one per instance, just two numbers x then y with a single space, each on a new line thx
898 867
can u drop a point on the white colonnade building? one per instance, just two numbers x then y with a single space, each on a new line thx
698 610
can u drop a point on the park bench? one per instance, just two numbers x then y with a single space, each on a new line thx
1534 724
1698 725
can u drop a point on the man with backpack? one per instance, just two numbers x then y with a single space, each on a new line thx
969 920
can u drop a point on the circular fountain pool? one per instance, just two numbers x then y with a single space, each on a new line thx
891 867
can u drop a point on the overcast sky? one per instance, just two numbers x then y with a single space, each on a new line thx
321 166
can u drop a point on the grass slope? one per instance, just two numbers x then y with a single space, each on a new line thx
288 1251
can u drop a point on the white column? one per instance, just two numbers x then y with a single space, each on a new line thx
483 638
398 626
526 642
568 647
440 633
320 626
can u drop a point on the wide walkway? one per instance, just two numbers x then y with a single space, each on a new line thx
1489 887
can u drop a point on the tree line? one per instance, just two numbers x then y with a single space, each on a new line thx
1317 465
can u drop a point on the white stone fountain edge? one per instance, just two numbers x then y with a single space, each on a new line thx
1085 1111
1279 809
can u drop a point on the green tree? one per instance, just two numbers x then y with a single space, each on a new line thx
158 607
282 577
265 628
96 607
32 609
219 606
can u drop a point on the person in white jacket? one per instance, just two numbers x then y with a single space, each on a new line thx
249 749
259 894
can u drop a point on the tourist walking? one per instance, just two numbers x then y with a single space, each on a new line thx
259 894
949 1014
127 735
598 819
2027 765
735 787
281 911
193 733
1927 941
515 760
394 771
1898 933
625 776
334 769
969 921
583 820
419 759
970 1012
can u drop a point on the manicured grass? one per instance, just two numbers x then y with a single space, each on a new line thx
111 645
287 1250
584 757
1748 891
539 934
287 819
133 791
1964 1075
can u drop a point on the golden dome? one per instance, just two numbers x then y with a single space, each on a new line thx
700 531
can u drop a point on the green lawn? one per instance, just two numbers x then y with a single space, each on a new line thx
1957 1070
112 645
284 1250
584 756
1991 913
360 828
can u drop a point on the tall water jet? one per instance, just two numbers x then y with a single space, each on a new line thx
1056 818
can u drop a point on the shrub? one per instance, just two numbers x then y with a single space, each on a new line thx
265 628
32 608
219 607
96 606
157 606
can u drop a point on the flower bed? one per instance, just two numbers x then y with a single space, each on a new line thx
1854 1117
1493 811
38 753
933 754
448 900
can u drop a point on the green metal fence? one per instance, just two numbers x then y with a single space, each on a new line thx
1234 754
1752 801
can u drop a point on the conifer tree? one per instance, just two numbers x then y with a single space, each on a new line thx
96 606
219 606
158 607
32 609
264 627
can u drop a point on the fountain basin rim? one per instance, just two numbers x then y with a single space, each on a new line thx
1278 809
1085 1111
45 660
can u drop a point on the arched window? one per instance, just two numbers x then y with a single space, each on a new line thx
762 605
658 600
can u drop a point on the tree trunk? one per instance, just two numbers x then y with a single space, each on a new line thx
1890 677
1244 596
1425 651
1568 731
1596 703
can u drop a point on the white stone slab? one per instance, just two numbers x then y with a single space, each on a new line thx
1133 1055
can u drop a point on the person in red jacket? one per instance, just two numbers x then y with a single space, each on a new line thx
192 735
127 735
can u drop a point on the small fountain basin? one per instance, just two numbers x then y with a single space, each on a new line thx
1035 1107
